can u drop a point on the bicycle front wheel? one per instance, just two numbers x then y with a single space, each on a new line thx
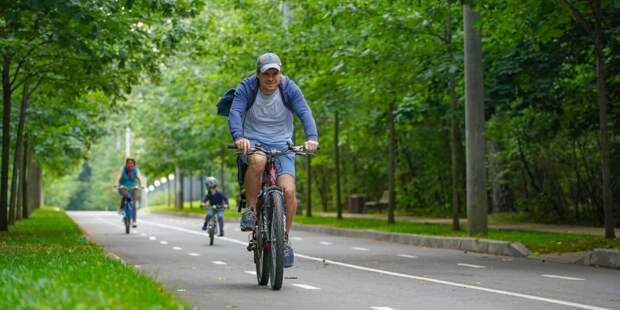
127 218
276 275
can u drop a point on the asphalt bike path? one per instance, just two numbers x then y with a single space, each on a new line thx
344 273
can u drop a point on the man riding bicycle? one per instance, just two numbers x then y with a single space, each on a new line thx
127 180
262 113
218 200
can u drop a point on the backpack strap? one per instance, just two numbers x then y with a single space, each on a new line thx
281 87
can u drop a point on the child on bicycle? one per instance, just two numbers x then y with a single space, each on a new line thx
217 199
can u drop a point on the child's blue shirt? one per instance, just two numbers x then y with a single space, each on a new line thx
217 199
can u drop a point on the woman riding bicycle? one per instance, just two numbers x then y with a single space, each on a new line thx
127 181
218 200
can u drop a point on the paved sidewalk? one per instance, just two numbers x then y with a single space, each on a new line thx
586 230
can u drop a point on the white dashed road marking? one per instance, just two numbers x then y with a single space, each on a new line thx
306 286
297 238
176 248
217 262
152 238
163 242
359 249
143 234
561 277
193 254
406 256
252 272
406 276
325 243
471 266
381 308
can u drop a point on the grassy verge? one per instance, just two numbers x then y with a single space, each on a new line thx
537 242
46 263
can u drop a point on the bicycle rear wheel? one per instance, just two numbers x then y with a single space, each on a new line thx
277 239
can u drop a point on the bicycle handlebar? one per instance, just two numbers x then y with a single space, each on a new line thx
294 149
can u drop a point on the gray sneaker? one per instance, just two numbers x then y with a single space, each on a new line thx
289 254
248 220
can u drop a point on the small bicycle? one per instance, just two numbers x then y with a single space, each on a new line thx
267 238
212 224
129 209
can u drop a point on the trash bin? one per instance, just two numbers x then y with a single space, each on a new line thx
356 203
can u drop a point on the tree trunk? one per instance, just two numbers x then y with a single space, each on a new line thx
474 125
309 187
25 176
178 179
601 89
19 153
392 165
6 126
191 190
222 168
337 151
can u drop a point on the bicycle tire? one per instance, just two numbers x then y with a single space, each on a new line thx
211 233
276 200
127 219
262 257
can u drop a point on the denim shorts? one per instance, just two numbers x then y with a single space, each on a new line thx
285 164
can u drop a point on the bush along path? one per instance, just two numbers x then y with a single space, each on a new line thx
46 262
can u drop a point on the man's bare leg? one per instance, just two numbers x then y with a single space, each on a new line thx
287 182
252 179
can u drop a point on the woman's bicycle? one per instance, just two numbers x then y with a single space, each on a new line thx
129 209
267 238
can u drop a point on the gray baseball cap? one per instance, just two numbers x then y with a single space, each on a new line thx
268 61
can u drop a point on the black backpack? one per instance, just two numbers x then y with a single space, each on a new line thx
223 106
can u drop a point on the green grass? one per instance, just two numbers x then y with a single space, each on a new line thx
46 263
537 242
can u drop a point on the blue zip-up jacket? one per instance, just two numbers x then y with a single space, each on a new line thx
292 97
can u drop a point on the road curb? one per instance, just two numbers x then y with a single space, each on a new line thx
602 258
484 246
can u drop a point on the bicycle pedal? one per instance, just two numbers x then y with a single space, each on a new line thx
251 246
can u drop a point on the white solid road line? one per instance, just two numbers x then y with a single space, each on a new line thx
306 286
252 272
561 277
297 238
177 248
163 242
218 262
406 276
471 266
406 256
325 243
381 308
193 254
359 249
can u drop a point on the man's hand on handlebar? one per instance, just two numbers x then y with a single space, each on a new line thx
311 146
243 145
